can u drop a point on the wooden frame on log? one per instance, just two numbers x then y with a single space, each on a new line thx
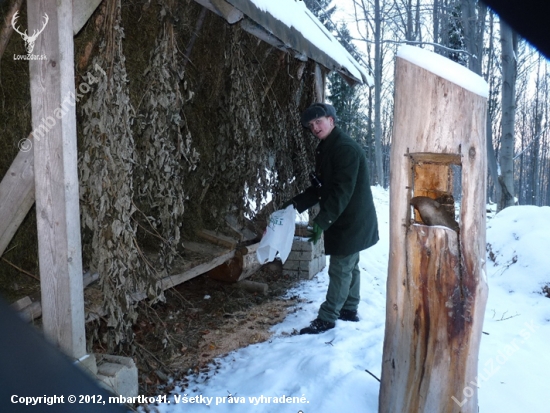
436 289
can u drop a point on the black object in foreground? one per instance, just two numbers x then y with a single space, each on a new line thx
34 368
317 326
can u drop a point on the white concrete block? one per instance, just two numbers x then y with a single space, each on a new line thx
119 373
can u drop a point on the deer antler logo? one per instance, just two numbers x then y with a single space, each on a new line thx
29 40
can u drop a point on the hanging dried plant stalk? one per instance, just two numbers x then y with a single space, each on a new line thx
260 141
106 176
167 155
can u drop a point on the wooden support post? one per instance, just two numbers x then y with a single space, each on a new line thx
436 289
56 176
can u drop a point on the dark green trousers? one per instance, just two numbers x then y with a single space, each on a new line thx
343 287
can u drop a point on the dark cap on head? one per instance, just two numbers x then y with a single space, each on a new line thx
317 110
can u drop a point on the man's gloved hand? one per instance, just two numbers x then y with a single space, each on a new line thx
315 234
287 203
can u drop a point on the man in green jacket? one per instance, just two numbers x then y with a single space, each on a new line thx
347 214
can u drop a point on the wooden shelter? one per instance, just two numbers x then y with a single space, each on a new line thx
437 290
49 173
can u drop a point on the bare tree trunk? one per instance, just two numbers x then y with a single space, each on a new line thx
473 22
535 183
371 143
378 93
523 193
545 153
536 160
491 156
509 71
417 25
435 19
444 26
409 35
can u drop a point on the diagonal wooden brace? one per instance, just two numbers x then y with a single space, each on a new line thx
16 193
17 187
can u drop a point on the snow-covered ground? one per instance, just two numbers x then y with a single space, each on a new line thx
326 373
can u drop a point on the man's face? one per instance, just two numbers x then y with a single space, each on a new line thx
321 127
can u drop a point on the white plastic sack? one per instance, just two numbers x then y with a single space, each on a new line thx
278 236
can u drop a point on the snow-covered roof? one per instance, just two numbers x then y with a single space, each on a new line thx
445 68
297 29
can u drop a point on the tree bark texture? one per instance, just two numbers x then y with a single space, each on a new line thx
436 288
378 94
509 52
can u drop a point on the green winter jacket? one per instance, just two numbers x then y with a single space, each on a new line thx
347 215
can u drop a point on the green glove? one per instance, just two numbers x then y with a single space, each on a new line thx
315 234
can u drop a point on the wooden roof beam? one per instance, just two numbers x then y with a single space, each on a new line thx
223 9
276 33
292 39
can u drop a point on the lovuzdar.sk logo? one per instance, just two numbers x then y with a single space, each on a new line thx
29 40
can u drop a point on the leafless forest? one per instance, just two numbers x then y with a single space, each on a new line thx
471 34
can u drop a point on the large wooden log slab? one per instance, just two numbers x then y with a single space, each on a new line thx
439 341
250 261
241 266
437 124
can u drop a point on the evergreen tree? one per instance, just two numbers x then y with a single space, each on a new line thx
322 10
455 37
346 99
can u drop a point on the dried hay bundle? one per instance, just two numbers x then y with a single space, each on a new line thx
106 176
259 146
168 154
